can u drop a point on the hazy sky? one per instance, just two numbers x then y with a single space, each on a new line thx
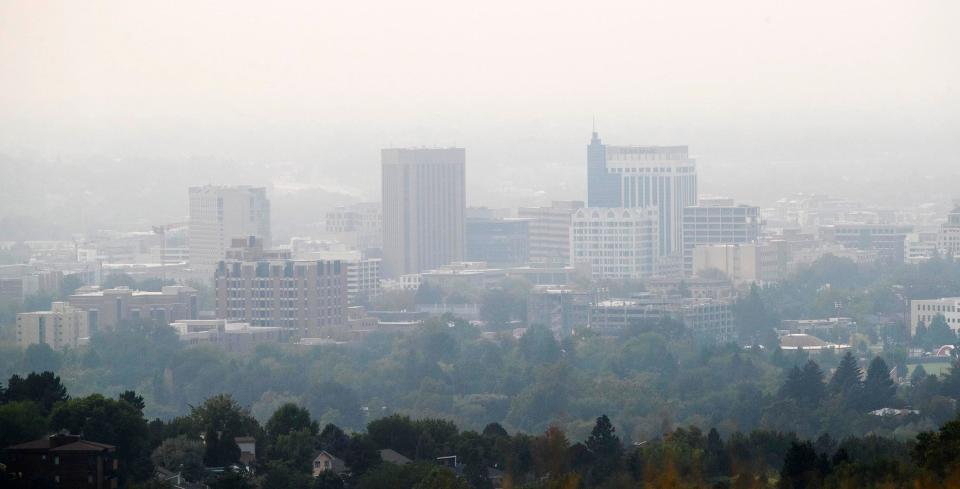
320 86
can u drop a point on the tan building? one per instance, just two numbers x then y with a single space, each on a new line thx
741 263
926 310
267 288
424 209
549 229
61 327
107 308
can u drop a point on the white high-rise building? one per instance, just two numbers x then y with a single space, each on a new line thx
219 214
424 209
661 177
617 243
61 327
948 241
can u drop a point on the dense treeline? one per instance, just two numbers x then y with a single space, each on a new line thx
651 378
287 443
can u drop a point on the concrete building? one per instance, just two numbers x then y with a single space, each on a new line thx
219 214
19 281
107 308
479 275
363 274
267 288
741 263
717 224
61 327
921 247
926 310
693 287
948 240
499 242
232 337
659 177
359 225
705 318
889 240
424 208
617 243
549 231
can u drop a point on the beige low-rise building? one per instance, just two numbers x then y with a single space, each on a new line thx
741 263
926 310
61 327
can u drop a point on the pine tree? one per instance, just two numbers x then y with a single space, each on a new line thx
918 375
813 389
846 382
878 388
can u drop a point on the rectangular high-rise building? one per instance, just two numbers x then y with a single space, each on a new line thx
219 214
549 230
424 207
717 224
499 242
661 177
268 288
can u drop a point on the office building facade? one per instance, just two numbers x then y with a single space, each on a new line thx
219 214
107 308
61 327
658 177
727 224
499 242
424 208
948 239
266 288
616 243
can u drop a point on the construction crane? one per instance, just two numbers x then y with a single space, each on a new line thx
162 232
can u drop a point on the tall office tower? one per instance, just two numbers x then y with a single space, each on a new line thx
617 243
948 240
424 206
359 225
717 224
218 214
549 229
644 176
268 288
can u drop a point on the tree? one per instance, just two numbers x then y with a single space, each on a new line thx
44 389
333 439
801 467
360 454
39 357
220 419
180 454
918 375
296 449
550 453
395 432
20 421
539 346
289 418
328 480
605 446
109 421
939 333
133 399
846 382
878 388
282 476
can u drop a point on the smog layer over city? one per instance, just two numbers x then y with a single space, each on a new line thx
506 244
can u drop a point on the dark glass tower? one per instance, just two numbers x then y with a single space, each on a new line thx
603 188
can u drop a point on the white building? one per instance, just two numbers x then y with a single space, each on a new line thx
549 231
704 318
617 243
61 327
926 310
948 240
218 214
363 274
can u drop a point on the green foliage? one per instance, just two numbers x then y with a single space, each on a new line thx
180 454
20 421
43 389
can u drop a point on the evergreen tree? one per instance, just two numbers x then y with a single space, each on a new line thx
812 389
605 446
939 333
878 388
846 381
918 375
